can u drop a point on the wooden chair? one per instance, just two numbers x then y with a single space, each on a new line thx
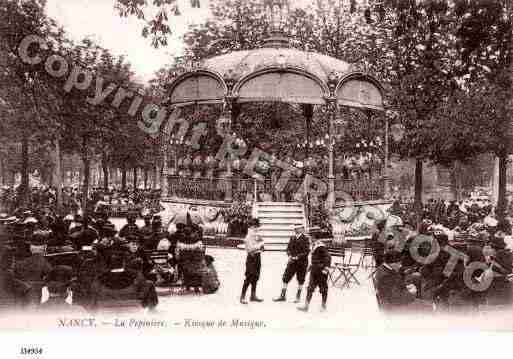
116 301
71 259
161 259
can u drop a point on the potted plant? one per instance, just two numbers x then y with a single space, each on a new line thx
320 217
237 217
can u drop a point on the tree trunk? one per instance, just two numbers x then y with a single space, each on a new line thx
58 175
456 181
123 176
24 186
11 180
87 174
146 175
135 178
503 172
155 176
418 188
105 169
80 178
2 171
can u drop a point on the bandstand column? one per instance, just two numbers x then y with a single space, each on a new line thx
386 184
164 176
233 110
332 110
308 110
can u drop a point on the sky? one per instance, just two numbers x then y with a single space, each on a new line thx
98 19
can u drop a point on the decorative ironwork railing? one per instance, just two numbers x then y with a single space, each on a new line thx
244 189
363 189
208 189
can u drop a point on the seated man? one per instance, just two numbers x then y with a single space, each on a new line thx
392 288
135 258
123 284
102 223
158 234
131 227
60 238
500 291
10 287
433 273
84 235
147 230
57 294
378 242
34 269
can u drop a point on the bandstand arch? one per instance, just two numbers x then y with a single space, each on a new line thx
360 90
197 87
281 84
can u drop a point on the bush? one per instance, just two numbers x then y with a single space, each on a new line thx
237 217
320 217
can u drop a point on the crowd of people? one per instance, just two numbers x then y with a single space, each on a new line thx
115 201
458 257
85 261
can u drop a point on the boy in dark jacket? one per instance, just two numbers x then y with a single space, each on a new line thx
319 271
297 265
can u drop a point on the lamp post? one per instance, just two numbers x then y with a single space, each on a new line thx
176 143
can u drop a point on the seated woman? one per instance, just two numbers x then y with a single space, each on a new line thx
392 288
60 239
57 293
34 269
121 284
190 255
11 288
500 290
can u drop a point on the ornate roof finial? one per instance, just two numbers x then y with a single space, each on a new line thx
277 12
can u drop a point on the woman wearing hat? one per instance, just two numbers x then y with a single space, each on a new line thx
254 245
500 291
57 293
190 255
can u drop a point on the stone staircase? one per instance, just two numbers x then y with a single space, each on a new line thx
277 221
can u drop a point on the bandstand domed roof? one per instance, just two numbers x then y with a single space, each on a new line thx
242 63
278 74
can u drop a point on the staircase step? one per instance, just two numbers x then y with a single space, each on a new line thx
287 204
280 214
277 220
277 227
266 212
278 234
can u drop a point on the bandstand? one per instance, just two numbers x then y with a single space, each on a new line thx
275 73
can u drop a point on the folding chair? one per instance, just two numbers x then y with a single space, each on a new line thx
336 270
351 266
367 256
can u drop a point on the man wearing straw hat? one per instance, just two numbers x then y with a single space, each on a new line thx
298 250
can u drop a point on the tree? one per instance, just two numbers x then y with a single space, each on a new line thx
28 96
156 16
485 42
